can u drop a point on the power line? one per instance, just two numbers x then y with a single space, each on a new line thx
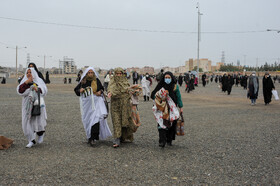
126 29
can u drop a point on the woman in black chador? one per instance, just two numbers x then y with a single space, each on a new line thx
32 65
267 88
167 127
48 78
229 83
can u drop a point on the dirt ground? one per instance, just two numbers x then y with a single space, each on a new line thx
227 142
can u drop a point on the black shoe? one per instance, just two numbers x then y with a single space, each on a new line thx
162 145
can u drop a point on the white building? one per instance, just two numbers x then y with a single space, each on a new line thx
68 65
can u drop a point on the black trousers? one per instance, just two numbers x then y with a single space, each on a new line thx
135 81
95 132
167 135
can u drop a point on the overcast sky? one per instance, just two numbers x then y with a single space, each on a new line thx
107 48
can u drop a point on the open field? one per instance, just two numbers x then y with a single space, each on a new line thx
227 142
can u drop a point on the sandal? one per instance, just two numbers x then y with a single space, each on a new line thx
116 143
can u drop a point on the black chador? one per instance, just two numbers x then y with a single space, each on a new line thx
229 82
267 88
224 83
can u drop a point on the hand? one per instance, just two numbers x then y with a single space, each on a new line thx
109 95
82 90
98 93
29 80
35 88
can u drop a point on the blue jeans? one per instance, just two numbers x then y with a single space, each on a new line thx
253 100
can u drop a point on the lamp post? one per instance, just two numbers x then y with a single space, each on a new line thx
45 62
17 48
198 36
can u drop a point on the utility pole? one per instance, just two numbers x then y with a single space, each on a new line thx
44 63
16 62
45 56
257 61
198 37
16 59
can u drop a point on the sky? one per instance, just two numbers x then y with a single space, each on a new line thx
129 33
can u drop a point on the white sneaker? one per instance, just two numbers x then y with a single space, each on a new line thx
40 139
30 144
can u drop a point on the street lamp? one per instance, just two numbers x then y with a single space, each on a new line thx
44 61
198 36
17 48
275 30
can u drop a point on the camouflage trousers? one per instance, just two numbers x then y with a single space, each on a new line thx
121 118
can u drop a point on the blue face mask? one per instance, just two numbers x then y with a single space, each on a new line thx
167 81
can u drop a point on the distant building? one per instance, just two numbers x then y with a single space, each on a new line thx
147 69
204 64
170 69
182 69
67 66
133 69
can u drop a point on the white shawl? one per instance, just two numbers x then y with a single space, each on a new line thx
92 114
35 123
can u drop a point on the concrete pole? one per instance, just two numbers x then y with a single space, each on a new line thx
16 63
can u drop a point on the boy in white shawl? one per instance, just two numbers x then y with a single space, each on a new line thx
28 88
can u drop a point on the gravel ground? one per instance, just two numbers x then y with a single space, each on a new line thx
227 142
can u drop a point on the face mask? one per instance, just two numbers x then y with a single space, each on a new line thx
147 75
167 81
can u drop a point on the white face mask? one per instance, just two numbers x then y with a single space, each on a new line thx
253 74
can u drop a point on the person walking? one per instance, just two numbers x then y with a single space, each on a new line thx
33 90
93 108
229 83
253 88
146 83
107 79
48 78
121 108
203 79
135 76
167 97
268 86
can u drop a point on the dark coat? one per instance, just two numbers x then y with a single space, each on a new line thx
267 88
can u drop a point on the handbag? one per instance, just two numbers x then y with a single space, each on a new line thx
275 94
180 126
36 109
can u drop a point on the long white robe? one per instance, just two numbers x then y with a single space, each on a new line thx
146 86
90 117
34 123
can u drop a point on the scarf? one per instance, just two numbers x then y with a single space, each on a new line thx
93 82
255 83
118 85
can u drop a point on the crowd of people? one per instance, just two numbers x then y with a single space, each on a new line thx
124 99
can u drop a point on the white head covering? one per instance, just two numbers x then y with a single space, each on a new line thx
86 71
41 84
